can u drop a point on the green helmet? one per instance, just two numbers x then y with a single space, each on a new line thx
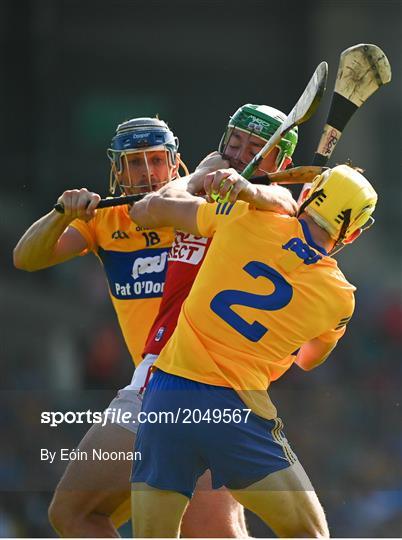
262 121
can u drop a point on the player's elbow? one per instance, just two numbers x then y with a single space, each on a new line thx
313 353
304 367
26 266
20 261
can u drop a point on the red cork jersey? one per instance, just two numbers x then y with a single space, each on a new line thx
184 261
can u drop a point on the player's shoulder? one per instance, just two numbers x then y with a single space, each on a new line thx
274 217
338 291
113 215
340 278
271 223
243 210
236 209
214 216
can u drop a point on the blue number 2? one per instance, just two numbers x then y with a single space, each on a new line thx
282 295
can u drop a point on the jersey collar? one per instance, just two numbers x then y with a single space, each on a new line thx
309 238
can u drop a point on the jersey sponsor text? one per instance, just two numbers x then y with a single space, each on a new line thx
187 248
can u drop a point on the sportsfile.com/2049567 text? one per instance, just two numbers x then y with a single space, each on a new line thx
113 415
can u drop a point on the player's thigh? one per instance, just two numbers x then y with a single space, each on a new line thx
287 502
97 485
214 513
156 513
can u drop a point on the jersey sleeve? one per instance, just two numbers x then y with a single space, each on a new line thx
212 215
88 231
339 329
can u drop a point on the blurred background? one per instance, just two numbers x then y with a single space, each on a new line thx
70 71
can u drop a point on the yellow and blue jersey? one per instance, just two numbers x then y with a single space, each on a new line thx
264 289
134 260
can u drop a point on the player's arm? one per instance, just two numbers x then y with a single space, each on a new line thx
175 208
178 208
50 240
313 353
267 198
316 351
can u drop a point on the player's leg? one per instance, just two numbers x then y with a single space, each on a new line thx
93 496
156 513
287 502
122 512
252 457
213 513
171 457
90 491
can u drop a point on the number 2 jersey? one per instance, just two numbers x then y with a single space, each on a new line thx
134 260
264 289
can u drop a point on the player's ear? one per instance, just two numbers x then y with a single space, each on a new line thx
352 237
303 194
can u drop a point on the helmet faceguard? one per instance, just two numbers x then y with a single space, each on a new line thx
262 121
143 155
341 201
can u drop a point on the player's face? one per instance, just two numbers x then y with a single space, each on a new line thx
242 147
145 171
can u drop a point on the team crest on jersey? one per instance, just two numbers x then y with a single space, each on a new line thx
188 248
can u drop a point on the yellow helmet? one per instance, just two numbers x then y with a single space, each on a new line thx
341 201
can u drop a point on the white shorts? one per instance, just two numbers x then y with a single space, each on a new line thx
129 398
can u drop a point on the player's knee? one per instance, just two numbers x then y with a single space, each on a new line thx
62 517
317 524
309 526
56 516
214 515
312 531
214 529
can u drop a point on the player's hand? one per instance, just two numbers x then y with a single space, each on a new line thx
210 163
228 184
79 204
274 198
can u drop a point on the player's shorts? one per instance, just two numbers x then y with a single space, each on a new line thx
129 398
199 429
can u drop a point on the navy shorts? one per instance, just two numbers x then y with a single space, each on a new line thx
188 427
